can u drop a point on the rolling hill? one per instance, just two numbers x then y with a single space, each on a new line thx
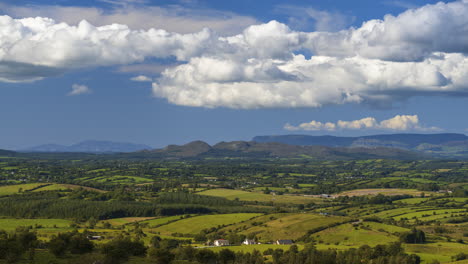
445 145
251 149
90 146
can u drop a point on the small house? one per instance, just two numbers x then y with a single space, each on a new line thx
221 242
249 242
284 242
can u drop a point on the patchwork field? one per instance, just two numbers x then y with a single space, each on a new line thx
260 197
10 224
283 226
429 214
196 224
13 189
251 248
366 233
362 192
162 220
126 220
441 251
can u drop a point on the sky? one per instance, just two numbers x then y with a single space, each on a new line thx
174 71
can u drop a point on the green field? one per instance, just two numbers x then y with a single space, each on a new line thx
366 233
260 197
162 220
196 224
11 223
442 251
283 226
429 214
251 248
12 189
126 220
361 192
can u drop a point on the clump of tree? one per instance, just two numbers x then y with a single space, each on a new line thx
72 242
14 245
415 236
120 249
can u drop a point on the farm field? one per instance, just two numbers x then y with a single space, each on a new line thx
126 220
441 251
13 189
172 205
362 192
257 196
163 220
196 224
283 226
251 248
429 214
366 233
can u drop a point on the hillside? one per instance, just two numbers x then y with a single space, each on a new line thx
448 144
90 146
7 153
244 149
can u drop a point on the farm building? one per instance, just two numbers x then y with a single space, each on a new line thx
249 242
284 242
221 242
94 237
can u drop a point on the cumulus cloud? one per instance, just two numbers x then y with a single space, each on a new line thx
304 18
78 89
141 78
399 122
173 18
419 52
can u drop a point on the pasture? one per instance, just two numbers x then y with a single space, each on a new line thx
362 192
283 226
260 197
195 225
13 189
10 224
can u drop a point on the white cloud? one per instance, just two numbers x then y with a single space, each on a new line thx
398 122
78 89
173 18
304 18
311 126
419 52
141 78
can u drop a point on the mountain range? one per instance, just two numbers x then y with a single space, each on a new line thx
442 145
90 146
252 149
395 146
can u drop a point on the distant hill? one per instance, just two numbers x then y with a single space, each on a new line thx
244 149
7 153
447 144
90 146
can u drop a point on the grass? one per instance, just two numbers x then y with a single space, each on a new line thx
13 189
260 197
126 220
162 221
362 192
251 248
63 187
10 224
196 224
412 200
440 251
370 234
440 213
283 226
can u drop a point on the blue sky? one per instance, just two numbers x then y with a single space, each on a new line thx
316 70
